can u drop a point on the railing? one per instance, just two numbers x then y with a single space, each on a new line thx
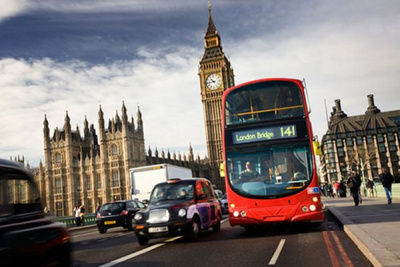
70 221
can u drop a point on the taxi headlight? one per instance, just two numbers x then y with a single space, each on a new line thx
182 213
138 216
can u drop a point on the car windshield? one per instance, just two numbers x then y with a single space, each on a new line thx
269 172
172 191
18 195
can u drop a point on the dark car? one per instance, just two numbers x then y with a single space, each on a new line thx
27 236
224 203
179 207
117 214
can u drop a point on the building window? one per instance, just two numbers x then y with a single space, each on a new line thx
382 148
369 139
114 150
58 185
58 158
339 143
88 183
349 142
59 208
380 139
359 140
98 181
115 178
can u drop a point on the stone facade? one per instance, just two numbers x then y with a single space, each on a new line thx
93 168
367 143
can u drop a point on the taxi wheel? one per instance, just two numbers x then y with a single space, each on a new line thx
193 233
143 241
217 226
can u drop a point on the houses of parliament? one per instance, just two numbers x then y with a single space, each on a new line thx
94 167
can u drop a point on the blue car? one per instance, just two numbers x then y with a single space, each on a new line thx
178 207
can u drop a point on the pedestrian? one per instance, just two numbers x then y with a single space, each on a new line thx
387 179
77 217
82 214
97 209
370 187
354 183
342 189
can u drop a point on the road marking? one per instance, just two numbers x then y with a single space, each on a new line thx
342 251
133 255
277 252
331 250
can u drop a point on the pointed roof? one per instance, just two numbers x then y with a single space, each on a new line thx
373 119
211 29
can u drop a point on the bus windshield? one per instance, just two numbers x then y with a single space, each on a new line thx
264 101
269 172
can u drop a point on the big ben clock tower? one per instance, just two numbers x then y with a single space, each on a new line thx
216 75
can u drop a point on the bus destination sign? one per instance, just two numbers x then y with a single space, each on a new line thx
263 134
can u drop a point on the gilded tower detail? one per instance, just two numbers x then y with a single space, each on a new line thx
216 75
90 169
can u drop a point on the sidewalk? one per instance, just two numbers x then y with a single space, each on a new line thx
374 226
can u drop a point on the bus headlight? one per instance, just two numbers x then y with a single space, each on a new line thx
304 208
243 213
315 199
313 207
235 213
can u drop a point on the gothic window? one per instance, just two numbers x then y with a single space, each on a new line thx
59 208
98 180
58 158
379 137
87 181
58 185
114 150
115 178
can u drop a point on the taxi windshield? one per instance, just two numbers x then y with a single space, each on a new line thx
172 191
270 172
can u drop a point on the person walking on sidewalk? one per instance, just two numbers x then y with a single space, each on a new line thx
354 183
387 179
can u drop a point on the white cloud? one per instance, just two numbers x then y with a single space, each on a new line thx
11 8
163 85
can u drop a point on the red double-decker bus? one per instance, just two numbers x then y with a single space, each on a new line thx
269 159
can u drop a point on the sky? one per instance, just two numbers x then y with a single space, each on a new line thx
60 56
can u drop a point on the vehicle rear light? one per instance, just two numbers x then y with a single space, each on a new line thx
124 212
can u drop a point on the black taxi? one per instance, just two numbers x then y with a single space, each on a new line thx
178 207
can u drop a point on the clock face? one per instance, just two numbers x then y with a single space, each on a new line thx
213 81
